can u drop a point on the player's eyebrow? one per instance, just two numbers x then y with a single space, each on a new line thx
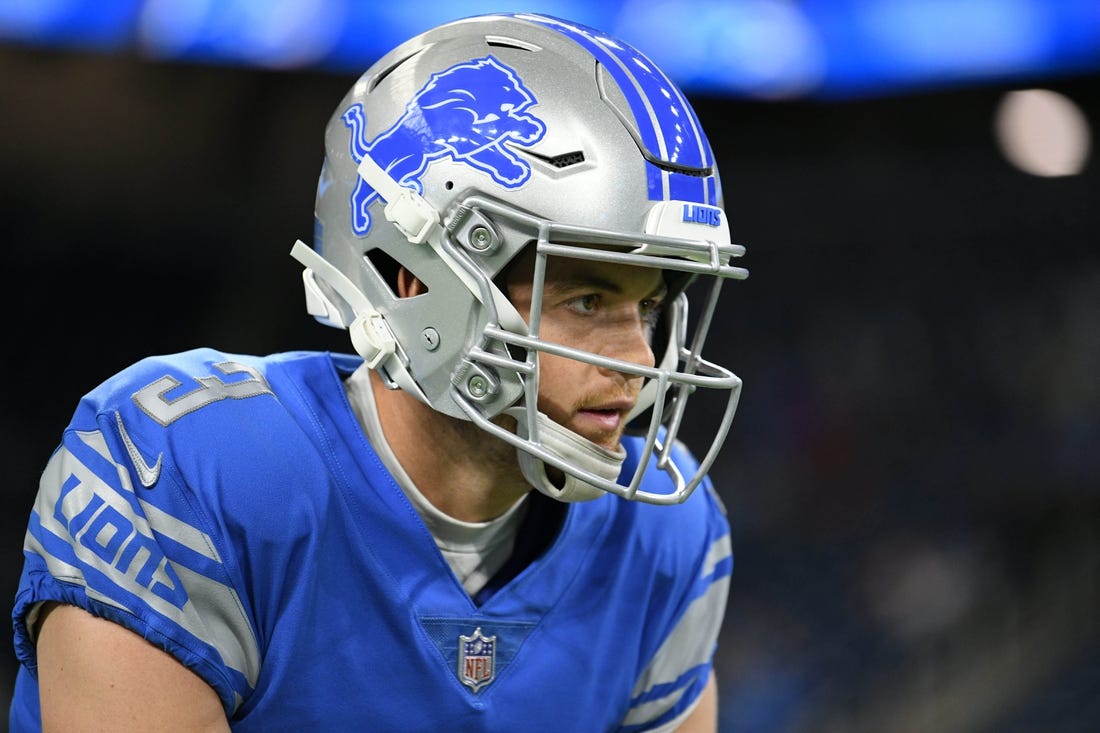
588 281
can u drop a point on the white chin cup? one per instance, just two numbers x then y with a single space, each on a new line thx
573 450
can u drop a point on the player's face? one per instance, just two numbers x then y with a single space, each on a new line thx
604 308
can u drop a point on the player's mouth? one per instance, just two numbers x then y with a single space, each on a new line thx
603 424
604 420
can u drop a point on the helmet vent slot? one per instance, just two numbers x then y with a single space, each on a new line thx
505 42
378 78
567 159
564 160
683 170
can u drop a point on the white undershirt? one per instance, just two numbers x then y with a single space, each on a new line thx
474 550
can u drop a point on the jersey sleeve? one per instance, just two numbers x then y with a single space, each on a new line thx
671 683
142 558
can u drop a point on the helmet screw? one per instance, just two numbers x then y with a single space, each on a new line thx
478 386
430 338
481 238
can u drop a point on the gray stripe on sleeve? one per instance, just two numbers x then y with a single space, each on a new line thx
692 640
690 644
222 624
106 533
720 549
181 532
653 709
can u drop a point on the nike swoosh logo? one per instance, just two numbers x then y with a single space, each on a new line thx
147 474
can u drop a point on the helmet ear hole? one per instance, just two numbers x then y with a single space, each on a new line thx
386 267
389 270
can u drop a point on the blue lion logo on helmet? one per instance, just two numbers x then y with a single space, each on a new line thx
465 113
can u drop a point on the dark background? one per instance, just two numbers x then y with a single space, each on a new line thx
913 476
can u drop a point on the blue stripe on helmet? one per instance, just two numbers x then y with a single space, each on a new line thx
669 129
682 187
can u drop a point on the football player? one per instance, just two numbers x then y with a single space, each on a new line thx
452 529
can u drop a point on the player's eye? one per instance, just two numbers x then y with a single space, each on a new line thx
585 303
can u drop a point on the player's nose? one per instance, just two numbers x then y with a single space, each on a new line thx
629 342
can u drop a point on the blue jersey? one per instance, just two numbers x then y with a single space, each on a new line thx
230 510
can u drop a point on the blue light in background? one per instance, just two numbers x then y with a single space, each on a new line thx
275 33
947 38
749 48
765 48
106 25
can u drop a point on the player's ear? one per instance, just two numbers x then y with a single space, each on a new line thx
409 285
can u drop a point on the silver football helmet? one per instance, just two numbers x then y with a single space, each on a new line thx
475 140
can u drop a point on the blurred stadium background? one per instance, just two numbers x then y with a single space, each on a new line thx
913 477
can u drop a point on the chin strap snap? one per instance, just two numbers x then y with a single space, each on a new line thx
370 334
372 338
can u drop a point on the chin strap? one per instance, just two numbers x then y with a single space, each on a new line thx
370 334
575 451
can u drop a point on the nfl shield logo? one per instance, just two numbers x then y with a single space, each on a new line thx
477 655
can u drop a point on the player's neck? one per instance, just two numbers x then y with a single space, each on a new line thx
461 470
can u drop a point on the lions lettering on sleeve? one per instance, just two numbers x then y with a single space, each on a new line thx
141 560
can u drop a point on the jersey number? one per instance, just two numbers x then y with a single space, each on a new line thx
154 401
